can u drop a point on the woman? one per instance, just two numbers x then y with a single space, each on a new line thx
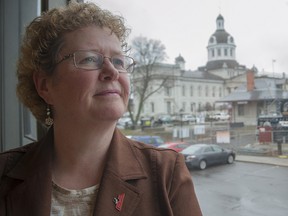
74 76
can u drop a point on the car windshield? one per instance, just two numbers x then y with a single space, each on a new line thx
164 146
194 149
159 140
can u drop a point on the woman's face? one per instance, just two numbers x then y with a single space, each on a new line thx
79 95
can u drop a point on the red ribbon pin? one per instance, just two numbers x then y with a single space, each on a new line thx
119 201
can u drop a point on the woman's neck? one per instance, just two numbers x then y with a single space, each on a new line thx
80 155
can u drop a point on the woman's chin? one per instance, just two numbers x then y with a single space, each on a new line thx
111 114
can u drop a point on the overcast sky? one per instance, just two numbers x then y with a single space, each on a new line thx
259 28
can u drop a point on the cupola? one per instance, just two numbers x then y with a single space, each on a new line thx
180 61
221 48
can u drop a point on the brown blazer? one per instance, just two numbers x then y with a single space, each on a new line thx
154 181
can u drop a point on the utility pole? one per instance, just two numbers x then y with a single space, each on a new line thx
273 61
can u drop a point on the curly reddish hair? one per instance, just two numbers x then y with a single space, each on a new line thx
43 39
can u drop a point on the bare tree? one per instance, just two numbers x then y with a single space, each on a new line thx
148 53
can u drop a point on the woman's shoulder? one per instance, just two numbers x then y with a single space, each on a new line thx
165 165
9 158
155 154
16 151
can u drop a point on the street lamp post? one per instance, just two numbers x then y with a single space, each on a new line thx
181 124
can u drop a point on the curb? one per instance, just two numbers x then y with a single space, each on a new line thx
283 156
281 160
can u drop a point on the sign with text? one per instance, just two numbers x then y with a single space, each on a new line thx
199 129
223 137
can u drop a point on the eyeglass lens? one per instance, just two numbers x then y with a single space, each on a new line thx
92 60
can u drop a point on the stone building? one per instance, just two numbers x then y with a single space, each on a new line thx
197 91
221 85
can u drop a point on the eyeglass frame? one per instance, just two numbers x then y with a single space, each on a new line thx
103 57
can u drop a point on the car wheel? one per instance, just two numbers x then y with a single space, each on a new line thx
230 159
202 165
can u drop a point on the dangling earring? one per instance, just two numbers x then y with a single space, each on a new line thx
48 120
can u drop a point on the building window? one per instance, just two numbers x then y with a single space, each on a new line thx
220 92
228 90
231 52
191 91
206 91
168 106
225 52
183 90
192 107
213 91
240 109
219 52
212 53
167 91
199 91
184 106
199 107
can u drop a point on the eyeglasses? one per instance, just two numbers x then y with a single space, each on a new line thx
90 60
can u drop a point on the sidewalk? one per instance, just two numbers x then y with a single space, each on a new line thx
278 161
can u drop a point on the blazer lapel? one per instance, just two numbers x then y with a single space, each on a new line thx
121 168
32 175
30 198
116 197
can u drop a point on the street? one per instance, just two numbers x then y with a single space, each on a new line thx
242 189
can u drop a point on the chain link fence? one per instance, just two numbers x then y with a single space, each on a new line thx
240 138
